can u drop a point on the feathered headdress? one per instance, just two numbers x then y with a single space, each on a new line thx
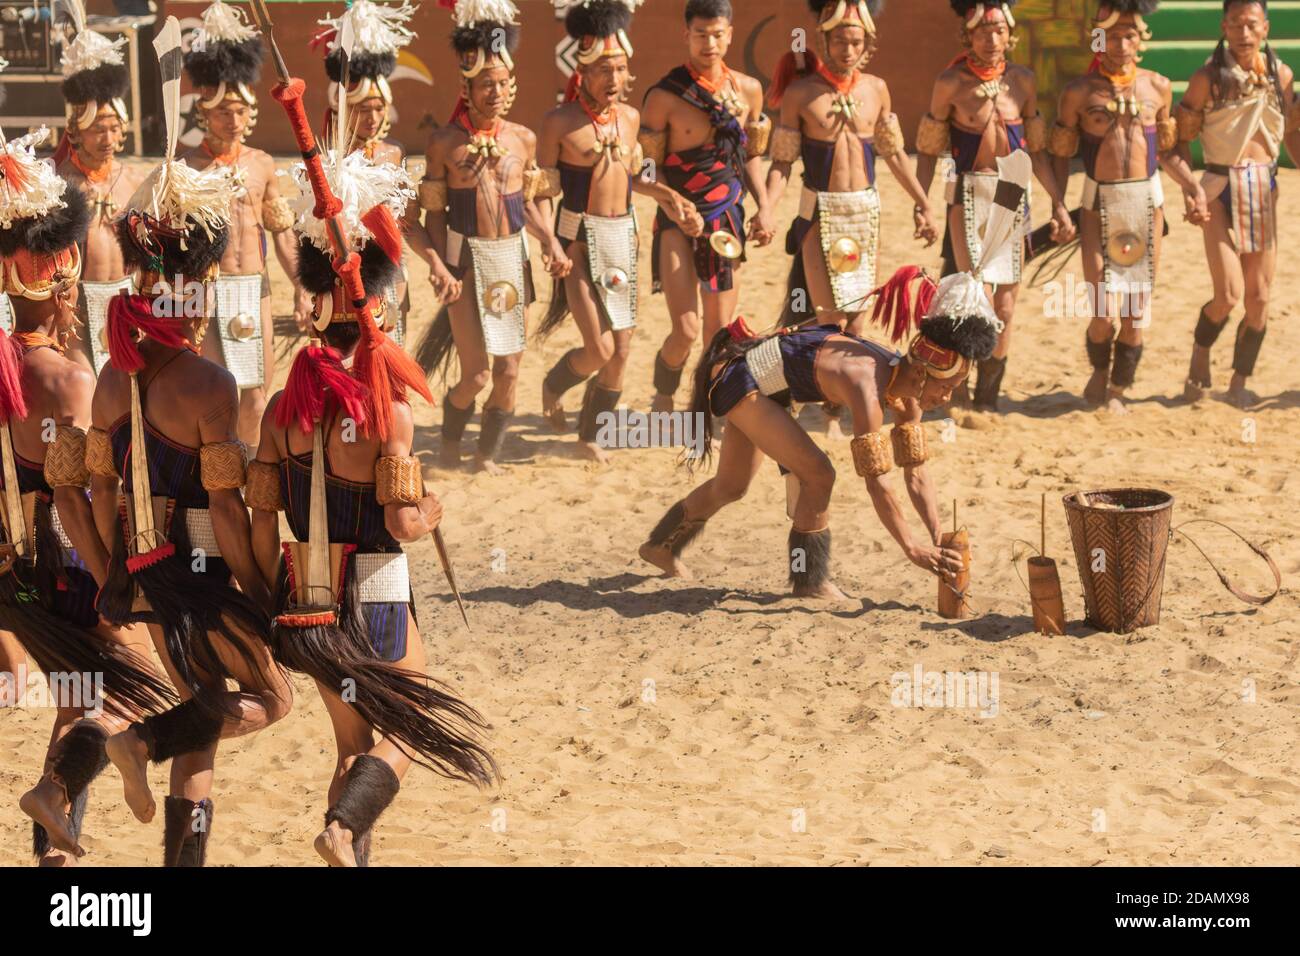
975 12
830 14
1109 12
485 30
94 72
834 13
176 223
225 56
955 320
599 26
376 33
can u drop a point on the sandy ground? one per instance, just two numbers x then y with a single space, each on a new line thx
640 721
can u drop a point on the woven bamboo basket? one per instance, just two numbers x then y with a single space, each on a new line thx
1131 528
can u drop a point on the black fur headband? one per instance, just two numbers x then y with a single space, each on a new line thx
48 234
201 253
963 8
1143 7
484 36
600 18
224 62
100 85
971 337
316 270
361 66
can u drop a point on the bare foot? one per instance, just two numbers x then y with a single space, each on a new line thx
1240 396
1194 391
825 591
1095 391
449 454
593 452
665 560
1200 367
662 403
47 804
487 466
1115 404
131 758
56 860
553 412
334 844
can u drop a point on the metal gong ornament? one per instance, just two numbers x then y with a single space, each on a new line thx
614 280
242 327
500 298
846 255
725 244
1126 249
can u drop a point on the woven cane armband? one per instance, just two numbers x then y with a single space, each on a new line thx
223 465
1166 134
888 136
759 134
549 186
433 195
1064 141
933 137
262 493
65 460
99 454
276 215
398 480
1035 134
909 444
653 145
1293 117
786 144
871 455
1189 123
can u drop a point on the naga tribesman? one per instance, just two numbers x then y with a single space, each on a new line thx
166 467
838 120
703 128
480 198
49 563
95 80
378 34
1118 116
336 457
590 157
752 381
1242 106
983 108
224 63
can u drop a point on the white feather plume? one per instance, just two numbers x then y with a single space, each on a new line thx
472 12
961 295
185 198
89 50
360 184
378 29
42 190
222 23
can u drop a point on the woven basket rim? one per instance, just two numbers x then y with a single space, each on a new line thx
1071 501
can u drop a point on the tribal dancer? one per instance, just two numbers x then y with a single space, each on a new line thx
166 470
1120 114
336 457
49 576
95 80
704 129
983 107
589 153
838 119
1242 107
379 32
479 194
223 64
753 379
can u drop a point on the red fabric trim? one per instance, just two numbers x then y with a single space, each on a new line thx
139 562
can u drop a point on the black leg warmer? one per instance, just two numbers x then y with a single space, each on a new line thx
80 759
1098 353
1124 369
667 378
186 828
810 558
371 785
562 377
1207 330
454 419
596 402
492 434
674 531
184 729
1247 351
989 384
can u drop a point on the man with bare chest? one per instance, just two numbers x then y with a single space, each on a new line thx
479 194
223 64
95 80
1118 116
590 156
838 120
704 131
982 108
